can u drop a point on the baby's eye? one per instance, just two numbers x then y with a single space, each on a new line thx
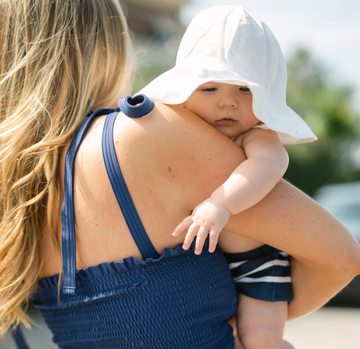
209 89
244 89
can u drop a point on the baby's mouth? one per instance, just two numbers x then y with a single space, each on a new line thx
227 121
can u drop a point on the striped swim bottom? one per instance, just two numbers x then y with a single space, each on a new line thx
263 273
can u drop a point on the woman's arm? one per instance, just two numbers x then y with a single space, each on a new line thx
325 255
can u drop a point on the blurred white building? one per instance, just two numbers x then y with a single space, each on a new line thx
154 18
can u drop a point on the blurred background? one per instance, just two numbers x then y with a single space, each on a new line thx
321 43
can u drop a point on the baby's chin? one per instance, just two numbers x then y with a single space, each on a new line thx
228 133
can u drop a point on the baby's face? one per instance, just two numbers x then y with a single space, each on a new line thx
226 107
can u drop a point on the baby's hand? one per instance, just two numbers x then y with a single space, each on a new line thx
208 218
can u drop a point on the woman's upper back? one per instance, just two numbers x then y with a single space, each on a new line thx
171 161
132 303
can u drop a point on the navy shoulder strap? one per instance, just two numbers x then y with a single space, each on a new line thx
122 194
68 246
19 338
141 107
136 107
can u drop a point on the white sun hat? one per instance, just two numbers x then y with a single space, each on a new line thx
229 45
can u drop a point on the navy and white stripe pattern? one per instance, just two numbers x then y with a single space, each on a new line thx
263 273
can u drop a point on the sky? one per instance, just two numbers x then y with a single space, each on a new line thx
330 29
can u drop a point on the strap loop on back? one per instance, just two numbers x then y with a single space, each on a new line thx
136 107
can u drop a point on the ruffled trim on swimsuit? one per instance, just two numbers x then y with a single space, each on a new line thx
102 278
106 269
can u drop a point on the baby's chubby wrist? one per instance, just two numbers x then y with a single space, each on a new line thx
218 199
210 214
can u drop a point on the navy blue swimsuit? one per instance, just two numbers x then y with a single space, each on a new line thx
173 300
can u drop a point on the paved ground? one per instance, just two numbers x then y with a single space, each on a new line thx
328 328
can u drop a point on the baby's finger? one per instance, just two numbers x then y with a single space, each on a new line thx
190 235
213 239
200 239
183 226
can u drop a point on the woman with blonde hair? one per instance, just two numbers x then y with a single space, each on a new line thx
105 276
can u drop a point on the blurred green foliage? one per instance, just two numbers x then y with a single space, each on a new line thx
151 61
145 74
326 107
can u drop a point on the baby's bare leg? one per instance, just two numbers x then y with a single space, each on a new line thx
232 323
261 324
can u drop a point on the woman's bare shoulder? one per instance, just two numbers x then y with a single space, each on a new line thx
173 141
173 120
177 152
172 124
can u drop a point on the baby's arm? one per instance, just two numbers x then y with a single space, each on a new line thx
251 181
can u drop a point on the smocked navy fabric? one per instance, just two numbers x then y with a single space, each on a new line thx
173 300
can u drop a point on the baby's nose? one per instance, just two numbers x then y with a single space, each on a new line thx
228 100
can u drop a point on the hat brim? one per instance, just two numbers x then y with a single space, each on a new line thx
177 84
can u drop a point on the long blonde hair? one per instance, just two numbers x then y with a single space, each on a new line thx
55 57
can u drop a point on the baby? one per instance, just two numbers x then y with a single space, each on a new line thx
231 73
228 108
